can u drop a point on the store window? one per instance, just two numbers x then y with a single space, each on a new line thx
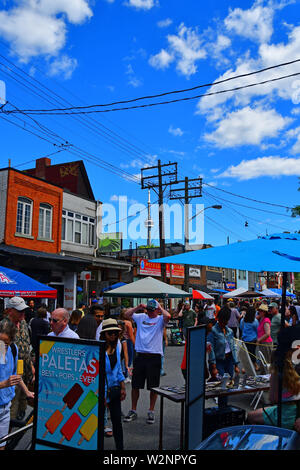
78 228
24 216
45 221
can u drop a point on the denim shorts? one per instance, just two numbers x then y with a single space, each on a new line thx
4 421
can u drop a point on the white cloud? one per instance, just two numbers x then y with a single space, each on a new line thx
185 48
64 66
39 27
162 60
247 126
255 23
133 79
164 23
138 163
141 4
264 166
175 131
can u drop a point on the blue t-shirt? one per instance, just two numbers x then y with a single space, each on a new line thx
249 330
6 370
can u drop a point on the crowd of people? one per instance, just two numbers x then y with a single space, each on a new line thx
135 342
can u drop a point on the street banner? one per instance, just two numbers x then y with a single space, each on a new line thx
154 269
69 394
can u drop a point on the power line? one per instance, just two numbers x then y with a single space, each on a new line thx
184 90
245 216
74 150
46 112
248 198
109 135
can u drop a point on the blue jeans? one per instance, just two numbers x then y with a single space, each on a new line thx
225 365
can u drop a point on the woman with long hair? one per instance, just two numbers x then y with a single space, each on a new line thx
290 395
115 391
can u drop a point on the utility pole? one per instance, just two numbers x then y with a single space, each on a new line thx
158 183
190 191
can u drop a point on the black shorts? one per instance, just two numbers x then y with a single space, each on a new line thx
146 366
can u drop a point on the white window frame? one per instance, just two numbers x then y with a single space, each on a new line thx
26 202
45 207
84 220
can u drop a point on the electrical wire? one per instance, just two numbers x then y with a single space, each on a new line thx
159 95
46 112
248 198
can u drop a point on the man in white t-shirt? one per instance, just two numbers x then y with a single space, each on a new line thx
210 310
149 350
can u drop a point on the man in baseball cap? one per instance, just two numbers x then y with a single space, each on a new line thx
149 352
16 310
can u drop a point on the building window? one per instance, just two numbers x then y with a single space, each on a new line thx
45 221
242 275
77 228
24 216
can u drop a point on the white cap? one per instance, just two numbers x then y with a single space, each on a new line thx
17 303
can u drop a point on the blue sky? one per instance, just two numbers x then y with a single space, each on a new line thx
89 52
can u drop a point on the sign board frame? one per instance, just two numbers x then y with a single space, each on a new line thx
195 386
56 374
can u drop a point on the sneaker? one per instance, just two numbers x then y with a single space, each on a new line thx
132 415
151 417
127 380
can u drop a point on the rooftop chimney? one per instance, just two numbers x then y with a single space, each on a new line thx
40 167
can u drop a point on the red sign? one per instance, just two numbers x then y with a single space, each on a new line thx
153 269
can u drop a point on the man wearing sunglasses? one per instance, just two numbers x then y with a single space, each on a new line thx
59 324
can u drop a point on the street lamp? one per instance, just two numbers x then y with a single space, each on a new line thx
209 207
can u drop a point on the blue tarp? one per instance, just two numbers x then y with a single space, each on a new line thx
13 283
114 286
279 291
273 253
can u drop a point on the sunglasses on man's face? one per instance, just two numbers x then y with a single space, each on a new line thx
54 320
110 333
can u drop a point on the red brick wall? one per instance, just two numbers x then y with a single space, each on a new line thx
38 191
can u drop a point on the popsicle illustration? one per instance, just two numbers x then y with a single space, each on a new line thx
45 347
91 372
88 403
20 367
72 396
53 422
69 428
88 429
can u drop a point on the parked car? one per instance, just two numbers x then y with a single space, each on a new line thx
252 437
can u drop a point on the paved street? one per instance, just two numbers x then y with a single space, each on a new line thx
138 435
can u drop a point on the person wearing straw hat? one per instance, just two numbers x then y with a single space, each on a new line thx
115 391
149 350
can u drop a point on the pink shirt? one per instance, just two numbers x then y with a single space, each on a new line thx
261 330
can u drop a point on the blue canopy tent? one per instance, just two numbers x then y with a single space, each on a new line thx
13 283
273 253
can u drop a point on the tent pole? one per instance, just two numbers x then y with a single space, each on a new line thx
281 359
